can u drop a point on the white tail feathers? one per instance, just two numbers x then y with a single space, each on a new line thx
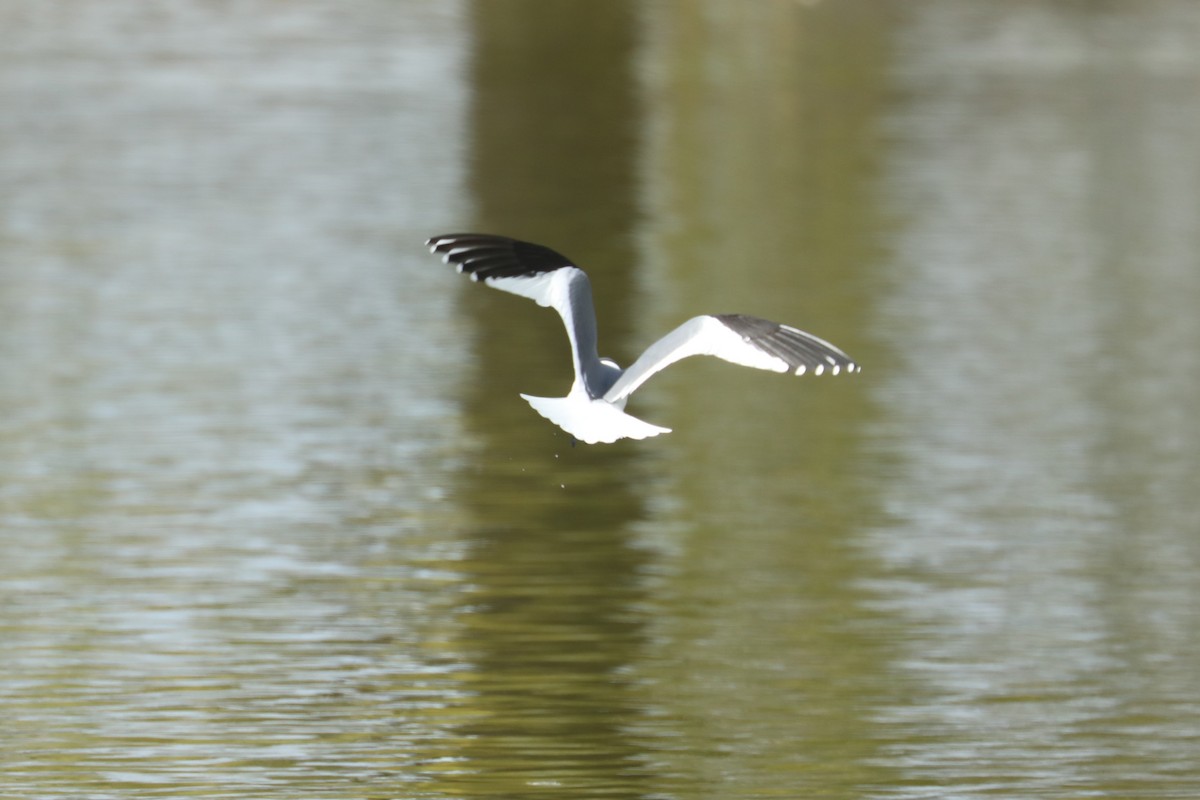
592 421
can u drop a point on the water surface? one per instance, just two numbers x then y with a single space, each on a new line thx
274 522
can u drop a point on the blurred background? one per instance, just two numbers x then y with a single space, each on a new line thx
274 521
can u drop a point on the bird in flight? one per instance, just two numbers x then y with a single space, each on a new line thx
593 411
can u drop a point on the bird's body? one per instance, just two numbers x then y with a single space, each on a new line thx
593 411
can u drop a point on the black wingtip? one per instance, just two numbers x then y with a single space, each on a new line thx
485 255
802 352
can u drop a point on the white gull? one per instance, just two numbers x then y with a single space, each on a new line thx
593 411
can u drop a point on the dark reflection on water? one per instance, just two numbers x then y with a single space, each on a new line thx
273 520
759 169
551 626
553 619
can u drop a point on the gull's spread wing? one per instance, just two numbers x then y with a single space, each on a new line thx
740 339
533 271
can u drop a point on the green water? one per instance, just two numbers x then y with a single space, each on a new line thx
275 523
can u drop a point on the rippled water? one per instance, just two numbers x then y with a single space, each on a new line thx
273 521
